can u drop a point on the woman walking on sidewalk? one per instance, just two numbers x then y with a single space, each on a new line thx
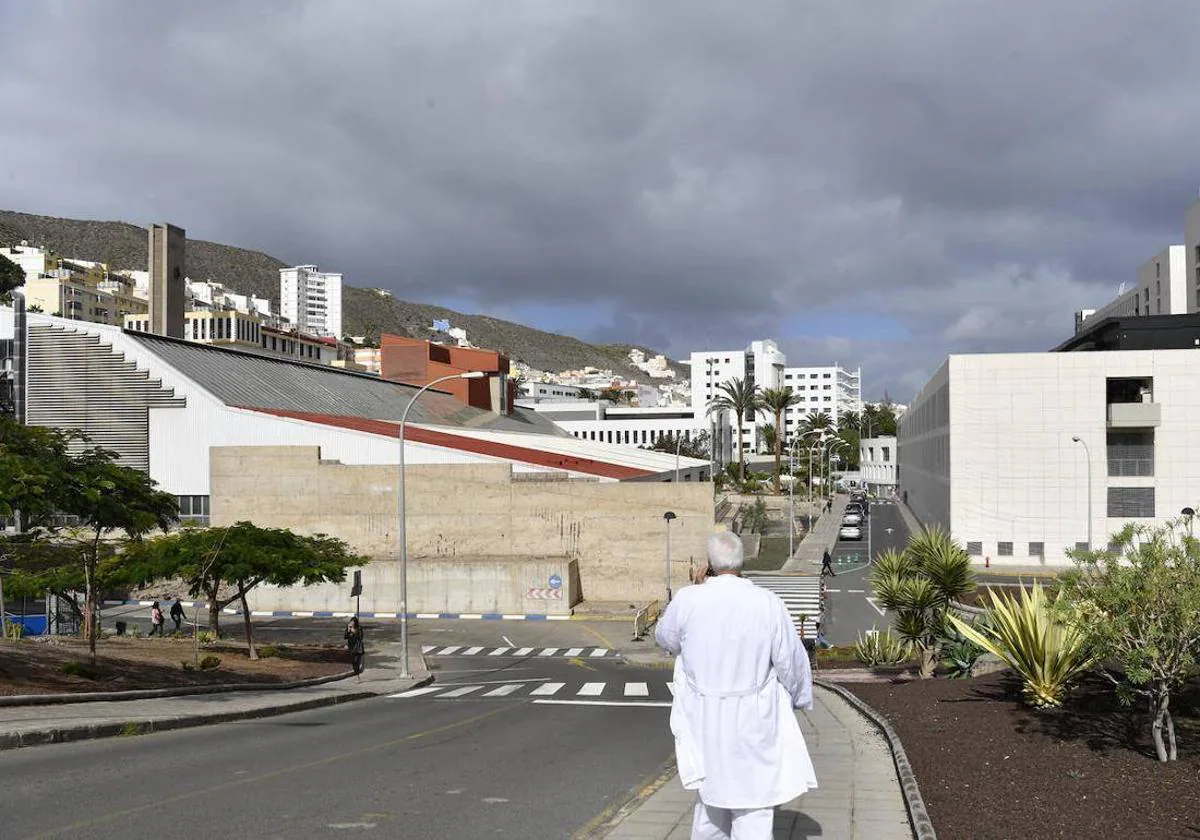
156 619
354 642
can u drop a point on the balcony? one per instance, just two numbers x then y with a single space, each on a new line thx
1134 415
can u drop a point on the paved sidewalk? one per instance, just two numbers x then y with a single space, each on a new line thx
820 539
859 797
47 724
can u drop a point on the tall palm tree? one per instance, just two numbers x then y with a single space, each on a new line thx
779 400
849 420
742 400
818 421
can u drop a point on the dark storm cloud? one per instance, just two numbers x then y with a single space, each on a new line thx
696 172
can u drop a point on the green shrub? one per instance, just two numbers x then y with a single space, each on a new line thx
209 662
178 634
268 651
77 669
187 666
14 630
206 637
959 654
875 649
131 728
1046 653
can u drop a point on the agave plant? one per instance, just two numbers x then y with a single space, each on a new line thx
877 648
1047 653
959 654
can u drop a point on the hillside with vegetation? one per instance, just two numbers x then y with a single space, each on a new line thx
364 311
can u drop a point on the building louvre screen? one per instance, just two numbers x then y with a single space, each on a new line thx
974 548
1130 502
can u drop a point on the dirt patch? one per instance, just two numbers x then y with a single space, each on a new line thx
981 597
990 767
125 664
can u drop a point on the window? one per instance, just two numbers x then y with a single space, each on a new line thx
974 549
887 453
1081 546
824 375
1157 269
1130 502
1037 549
193 508
826 387
1004 549
812 376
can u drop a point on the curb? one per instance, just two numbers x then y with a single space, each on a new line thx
156 693
200 605
85 732
922 826
608 820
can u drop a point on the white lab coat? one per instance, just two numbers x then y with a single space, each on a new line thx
741 671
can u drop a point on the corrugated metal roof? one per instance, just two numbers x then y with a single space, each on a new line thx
252 381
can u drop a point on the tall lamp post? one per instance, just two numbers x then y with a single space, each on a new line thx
668 516
405 673
812 450
792 490
1087 454
827 449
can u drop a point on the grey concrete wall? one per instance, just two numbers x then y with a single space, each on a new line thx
472 513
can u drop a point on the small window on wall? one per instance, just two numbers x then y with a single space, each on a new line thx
1037 549
1004 549
1130 502
975 549
1081 546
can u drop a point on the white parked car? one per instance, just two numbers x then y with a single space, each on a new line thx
850 532
851 519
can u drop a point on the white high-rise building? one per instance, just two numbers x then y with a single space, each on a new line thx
1162 289
311 299
830 389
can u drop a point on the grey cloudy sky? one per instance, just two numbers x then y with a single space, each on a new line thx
870 182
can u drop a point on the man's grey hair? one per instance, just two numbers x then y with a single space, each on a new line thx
725 553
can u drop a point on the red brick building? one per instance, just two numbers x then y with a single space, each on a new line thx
416 362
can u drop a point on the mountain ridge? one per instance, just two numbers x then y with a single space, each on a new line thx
365 311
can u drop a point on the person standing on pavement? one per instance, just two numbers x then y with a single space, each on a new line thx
740 672
354 642
177 614
156 619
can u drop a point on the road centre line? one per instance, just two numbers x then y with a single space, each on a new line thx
645 703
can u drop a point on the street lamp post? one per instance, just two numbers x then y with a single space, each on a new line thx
668 516
792 490
405 673
1087 454
811 452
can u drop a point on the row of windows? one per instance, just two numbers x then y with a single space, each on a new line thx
193 508
633 436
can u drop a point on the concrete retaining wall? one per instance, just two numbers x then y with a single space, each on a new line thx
468 518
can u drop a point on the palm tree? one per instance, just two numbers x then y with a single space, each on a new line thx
818 421
767 436
849 420
778 400
741 399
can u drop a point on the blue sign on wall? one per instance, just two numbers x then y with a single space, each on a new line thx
555 582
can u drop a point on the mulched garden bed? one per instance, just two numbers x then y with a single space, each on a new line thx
125 664
990 767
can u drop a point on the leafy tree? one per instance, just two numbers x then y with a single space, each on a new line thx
879 420
11 277
587 394
766 437
35 467
778 401
817 421
918 585
742 400
239 557
1047 652
1139 604
694 447
849 419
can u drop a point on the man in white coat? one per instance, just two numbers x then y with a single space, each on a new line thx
740 672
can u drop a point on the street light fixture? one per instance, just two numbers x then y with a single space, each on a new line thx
668 516
820 441
792 490
405 673
1087 454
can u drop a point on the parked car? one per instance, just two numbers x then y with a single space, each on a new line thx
851 518
859 508
850 532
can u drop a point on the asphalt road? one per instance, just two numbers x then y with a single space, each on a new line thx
428 766
848 610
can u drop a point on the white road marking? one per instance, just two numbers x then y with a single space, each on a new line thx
460 692
449 650
547 690
573 652
592 689
508 641
471 651
427 648
494 800
502 691
498 651
878 609
417 692
599 652
548 652
854 591
523 652
671 688
637 689
645 703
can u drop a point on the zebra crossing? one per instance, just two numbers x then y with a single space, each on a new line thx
483 650
801 594
633 693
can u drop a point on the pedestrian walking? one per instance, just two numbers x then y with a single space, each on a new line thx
156 619
354 643
827 565
740 671
177 615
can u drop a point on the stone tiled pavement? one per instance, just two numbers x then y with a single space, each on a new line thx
858 797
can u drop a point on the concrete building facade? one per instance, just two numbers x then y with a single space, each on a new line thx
877 458
168 279
311 299
987 449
